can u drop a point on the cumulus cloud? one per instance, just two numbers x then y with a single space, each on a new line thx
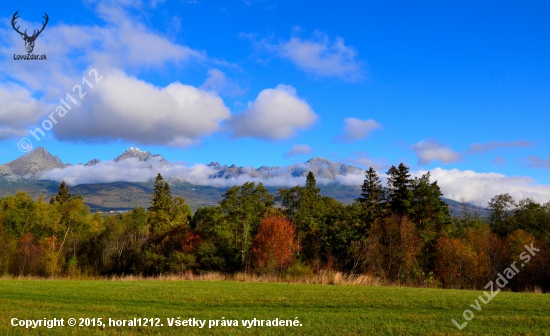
357 129
275 114
299 150
18 110
537 162
428 151
116 108
128 170
479 188
126 43
122 42
218 82
494 145
123 107
320 56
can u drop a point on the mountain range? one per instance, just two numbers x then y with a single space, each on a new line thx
26 174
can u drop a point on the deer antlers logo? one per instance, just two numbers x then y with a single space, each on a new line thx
29 40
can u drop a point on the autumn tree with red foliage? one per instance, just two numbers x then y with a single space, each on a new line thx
274 245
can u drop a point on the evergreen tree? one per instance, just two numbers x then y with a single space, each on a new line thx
63 195
166 212
162 196
372 197
167 194
430 215
310 209
400 194
429 211
311 183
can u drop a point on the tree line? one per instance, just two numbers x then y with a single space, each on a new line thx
402 233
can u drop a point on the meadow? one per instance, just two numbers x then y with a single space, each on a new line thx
321 309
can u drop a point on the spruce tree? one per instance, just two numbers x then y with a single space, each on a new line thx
372 195
311 183
400 194
63 195
429 211
162 196
310 206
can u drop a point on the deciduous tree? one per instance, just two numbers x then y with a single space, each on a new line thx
274 245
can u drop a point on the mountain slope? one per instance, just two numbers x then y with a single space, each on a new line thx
31 165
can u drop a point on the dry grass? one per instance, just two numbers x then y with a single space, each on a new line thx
322 278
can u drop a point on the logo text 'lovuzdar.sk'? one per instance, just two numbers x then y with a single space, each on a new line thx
29 40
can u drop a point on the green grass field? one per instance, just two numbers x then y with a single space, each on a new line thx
321 309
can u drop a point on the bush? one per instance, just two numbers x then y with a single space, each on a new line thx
298 270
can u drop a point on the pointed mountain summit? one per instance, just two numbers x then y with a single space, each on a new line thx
32 164
134 152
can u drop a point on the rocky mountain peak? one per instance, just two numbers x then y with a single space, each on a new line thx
32 164
134 152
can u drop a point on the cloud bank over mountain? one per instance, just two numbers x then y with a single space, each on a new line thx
459 185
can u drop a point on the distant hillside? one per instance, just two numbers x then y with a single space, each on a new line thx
127 195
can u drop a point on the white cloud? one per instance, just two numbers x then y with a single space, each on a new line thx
357 129
494 145
320 56
275 114
120 44
122 107
479 188
299 150
428 151
18 109
128 170
218 82
126 43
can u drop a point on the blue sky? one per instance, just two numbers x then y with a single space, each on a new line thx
455 86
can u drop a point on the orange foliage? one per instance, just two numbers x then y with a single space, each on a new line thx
274 245
190 242
180 239
457 263
490 250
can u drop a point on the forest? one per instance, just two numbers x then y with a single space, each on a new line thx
401 233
